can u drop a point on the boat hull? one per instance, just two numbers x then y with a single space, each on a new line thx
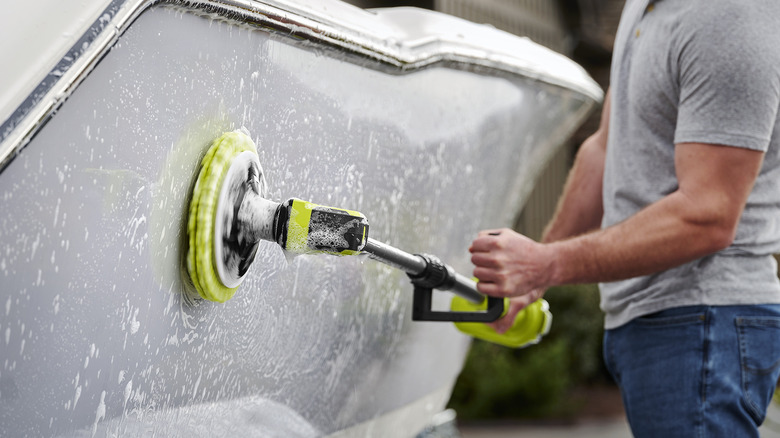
102 334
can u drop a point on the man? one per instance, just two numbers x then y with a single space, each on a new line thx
674 206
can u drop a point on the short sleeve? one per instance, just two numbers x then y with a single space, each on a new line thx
729 67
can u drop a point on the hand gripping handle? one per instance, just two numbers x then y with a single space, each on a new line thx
438 275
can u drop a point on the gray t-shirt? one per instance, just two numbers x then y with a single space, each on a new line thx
704 71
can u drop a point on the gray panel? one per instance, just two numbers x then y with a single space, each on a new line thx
97 331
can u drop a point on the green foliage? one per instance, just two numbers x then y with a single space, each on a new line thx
535 382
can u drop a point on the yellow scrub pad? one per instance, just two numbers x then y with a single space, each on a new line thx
203 209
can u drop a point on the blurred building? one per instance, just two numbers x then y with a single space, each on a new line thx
580 29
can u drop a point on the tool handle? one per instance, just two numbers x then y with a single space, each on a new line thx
416 265
304 228
528 327
392 256
466 288
427 272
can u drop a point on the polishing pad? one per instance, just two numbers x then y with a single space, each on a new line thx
202 255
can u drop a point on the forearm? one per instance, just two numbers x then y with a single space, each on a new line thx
699 218
579 209
666 234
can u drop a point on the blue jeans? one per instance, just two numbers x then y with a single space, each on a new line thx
702 371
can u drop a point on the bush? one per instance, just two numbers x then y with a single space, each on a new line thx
536 382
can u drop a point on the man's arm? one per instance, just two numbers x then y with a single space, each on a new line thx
697 219
580 207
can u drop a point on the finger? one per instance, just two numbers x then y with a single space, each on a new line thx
485 260
516 305
520 302
485 287
502 325
485 243
487 275
491 289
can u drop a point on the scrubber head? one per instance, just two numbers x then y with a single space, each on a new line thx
231 161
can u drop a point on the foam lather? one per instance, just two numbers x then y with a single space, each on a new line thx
202 212
309 228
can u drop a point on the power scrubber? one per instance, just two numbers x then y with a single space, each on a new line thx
230 214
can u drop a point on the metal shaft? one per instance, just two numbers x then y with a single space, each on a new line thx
415 265
257 217
409 263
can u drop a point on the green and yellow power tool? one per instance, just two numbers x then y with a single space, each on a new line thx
230 214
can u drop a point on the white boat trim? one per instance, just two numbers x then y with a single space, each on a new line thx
426 38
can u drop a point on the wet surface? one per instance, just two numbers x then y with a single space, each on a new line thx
100 331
